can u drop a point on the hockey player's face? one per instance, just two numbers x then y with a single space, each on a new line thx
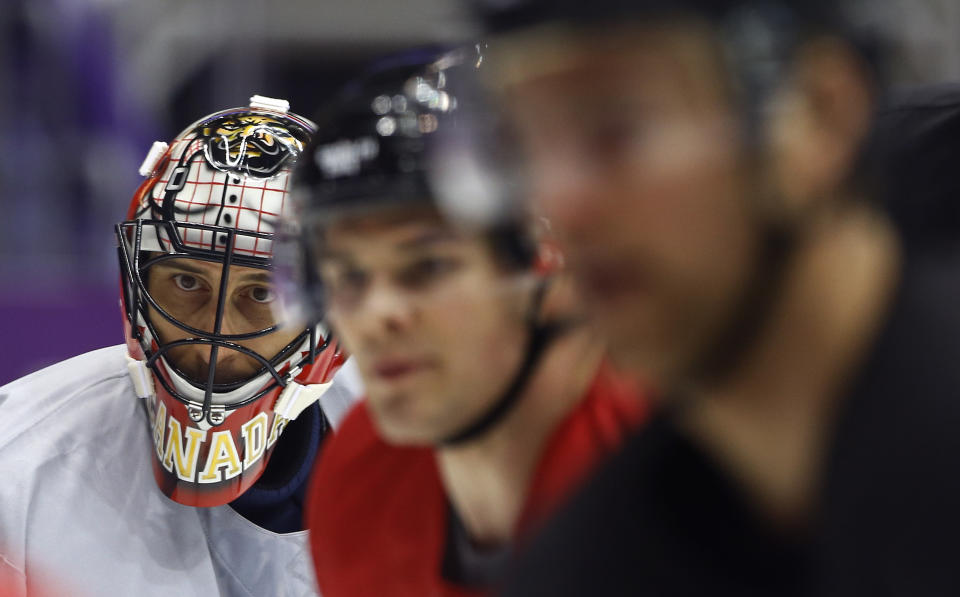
427 314
189 290
633 155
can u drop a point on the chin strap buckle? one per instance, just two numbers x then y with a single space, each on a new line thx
296 397
141 376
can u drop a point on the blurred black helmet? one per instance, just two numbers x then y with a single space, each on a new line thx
413 130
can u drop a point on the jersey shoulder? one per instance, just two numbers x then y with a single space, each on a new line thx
355 439
612 409
356 457
374 506
65 388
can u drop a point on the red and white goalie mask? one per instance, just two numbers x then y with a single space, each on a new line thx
220 369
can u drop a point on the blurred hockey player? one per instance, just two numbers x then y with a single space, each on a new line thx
703 166
177 464
487 397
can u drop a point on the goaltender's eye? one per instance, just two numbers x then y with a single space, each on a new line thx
186 282
263 294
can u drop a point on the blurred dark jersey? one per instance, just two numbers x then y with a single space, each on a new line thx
663 519
379 516
917 141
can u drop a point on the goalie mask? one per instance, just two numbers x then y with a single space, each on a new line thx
221 371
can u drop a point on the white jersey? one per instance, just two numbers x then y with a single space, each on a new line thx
81 513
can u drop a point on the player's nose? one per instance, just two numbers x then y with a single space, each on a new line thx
386 312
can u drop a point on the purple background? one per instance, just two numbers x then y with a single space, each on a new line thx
48 323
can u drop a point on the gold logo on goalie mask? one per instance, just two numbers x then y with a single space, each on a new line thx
251 144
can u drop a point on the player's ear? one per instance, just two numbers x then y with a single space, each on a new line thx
818 121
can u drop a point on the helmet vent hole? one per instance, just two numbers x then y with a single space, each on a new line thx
233 198
227 218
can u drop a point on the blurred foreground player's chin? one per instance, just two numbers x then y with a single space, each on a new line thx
487 397
176 465
702 165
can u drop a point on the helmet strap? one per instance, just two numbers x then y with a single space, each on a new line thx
540 337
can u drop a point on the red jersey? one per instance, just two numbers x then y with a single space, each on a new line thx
378 513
